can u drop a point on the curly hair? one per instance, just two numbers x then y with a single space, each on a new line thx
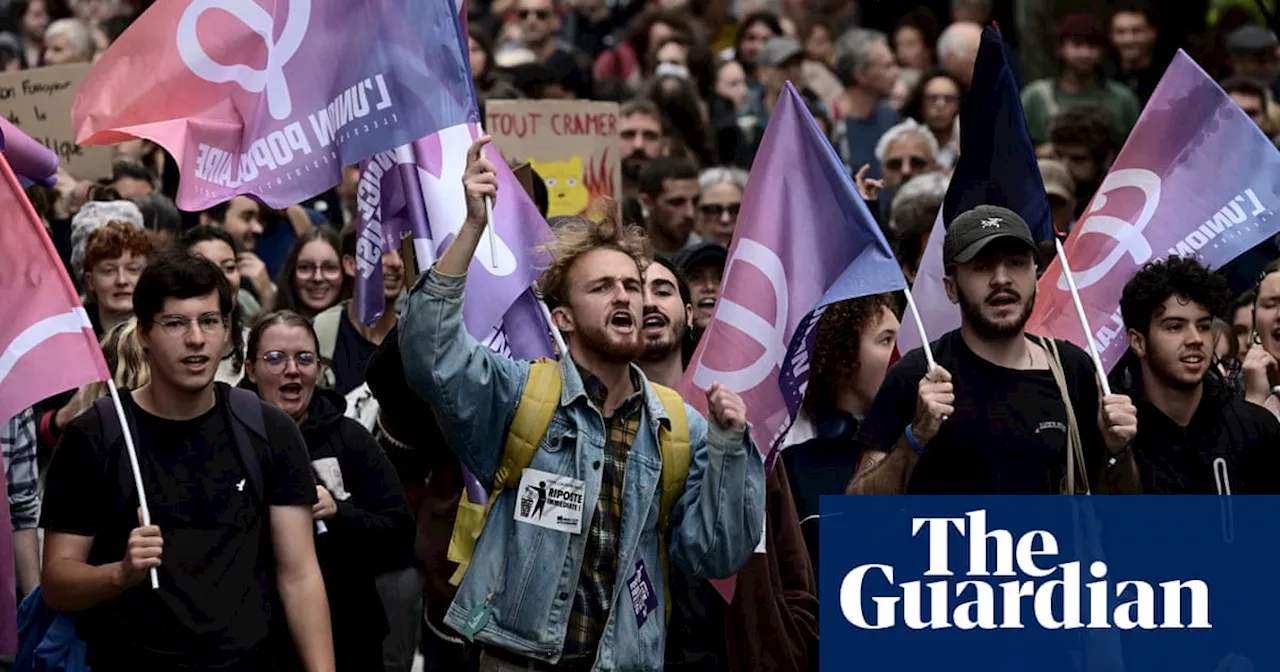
1087 125
115 238
576 236
838 346
1145 293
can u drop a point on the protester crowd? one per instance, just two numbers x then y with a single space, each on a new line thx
308 473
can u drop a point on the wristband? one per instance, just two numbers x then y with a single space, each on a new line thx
1113 460
911 441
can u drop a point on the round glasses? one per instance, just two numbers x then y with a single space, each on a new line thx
276 361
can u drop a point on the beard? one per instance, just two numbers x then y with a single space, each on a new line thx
662 345
987 329
632 164
611 347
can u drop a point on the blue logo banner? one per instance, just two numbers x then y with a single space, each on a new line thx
1049 584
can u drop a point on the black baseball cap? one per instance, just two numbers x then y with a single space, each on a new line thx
972 231
704 253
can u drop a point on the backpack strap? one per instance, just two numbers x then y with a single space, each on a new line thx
1072 484
111 430
326 325
675 446
246 417
538 403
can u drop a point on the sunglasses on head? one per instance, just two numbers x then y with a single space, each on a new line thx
718 209
917 162
540 14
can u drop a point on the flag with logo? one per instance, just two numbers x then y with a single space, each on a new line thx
804 239
273 100
997 166
47 345
1197 178
416 190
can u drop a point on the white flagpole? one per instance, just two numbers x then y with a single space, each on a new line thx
488 213
133 463
1084 322
924 338
555 333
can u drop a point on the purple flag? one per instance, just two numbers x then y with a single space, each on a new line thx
273 98
31 161
804 239
1197 178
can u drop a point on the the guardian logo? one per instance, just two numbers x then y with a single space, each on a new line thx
1038 587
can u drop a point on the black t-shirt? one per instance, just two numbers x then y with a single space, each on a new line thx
1008 434
351 355
213 608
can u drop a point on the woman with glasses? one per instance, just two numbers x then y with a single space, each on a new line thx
311 279
721 191
362 516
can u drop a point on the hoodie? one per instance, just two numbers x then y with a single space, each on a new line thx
373 523
1227 448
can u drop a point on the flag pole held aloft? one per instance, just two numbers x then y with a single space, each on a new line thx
1084 321
133 467
924 338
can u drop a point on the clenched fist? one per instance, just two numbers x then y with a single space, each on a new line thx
1118 420
935 402
726 408
479 181
142 552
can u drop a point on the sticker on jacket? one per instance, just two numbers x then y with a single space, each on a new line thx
330 476
644 600
551 501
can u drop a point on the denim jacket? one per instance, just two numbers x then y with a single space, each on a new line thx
528 574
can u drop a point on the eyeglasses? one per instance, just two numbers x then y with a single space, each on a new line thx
180 325
718 210
941 99
540 14
275 361
308 269
917 163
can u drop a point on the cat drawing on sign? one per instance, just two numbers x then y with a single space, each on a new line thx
567 192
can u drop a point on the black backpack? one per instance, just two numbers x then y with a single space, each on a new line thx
245 419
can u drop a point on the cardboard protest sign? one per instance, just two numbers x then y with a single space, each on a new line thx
39 102
573 146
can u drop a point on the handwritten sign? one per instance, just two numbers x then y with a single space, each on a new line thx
39 102
572 145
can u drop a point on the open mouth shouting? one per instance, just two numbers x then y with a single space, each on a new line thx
655 324
291 392
622 321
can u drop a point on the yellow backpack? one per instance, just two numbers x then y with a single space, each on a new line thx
538 404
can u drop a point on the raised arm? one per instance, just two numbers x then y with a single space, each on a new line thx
472 390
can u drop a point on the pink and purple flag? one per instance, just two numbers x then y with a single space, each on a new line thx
1196 178
273 99
805 239
997 166
47 345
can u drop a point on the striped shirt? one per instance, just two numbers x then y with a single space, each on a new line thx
18 442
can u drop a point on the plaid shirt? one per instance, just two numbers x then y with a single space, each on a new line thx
18 441
600 552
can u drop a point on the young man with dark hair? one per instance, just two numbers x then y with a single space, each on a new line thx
228 483
669 194
665 323
1086 139
1133 35
1196 436
242 218
1080 79
993 416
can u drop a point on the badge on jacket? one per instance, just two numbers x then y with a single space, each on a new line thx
551 501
